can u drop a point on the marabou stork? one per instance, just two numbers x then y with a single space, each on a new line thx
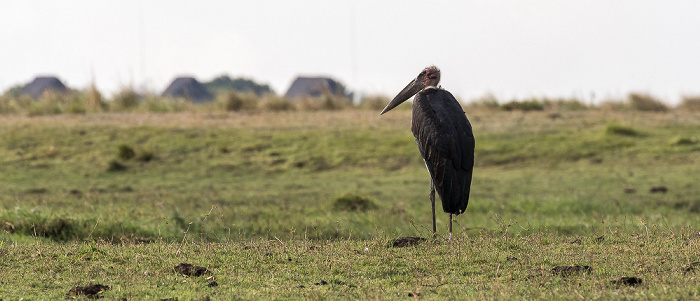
445 140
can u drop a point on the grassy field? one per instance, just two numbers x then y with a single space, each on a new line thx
273 201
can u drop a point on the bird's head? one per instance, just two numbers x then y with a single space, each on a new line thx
429 77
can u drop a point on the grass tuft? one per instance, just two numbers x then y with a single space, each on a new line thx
683 141
646 102
525 106
116 166
621 130
353 202
235 101
691 103
125 152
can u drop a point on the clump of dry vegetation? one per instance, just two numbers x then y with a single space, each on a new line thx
127 99
646 102
235 102
690 103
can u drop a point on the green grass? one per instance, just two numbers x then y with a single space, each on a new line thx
479 265
244 185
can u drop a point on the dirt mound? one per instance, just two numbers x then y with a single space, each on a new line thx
407 241
631 281
91 291
191 270
565 271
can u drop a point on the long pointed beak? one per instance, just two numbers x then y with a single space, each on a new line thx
411 89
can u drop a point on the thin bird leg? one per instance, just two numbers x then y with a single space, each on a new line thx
450 229
432 202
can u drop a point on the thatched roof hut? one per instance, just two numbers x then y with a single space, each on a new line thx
188 88
314 87
41 84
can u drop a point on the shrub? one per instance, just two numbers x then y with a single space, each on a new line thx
374 103
276 103
125 152
125 99
645 102
691 103
235 101
95 101
525 106
353 202
326 102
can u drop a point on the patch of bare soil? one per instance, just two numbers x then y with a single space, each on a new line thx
691 267
91 291
630 281
658 189
565 271
407 241
191 270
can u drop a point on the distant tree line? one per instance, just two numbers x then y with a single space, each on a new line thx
225 83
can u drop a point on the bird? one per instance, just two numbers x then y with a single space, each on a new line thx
445 141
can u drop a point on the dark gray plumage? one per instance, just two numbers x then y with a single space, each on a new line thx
445 140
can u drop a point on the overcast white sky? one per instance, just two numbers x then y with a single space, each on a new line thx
591 49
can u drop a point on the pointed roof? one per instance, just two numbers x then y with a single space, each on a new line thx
41 84
313 86
189 88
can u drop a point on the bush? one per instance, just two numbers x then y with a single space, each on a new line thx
563 104
326 102
235 101
276 103
353 202
374 103
125 152
691 103
645 102
525 106
126 99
